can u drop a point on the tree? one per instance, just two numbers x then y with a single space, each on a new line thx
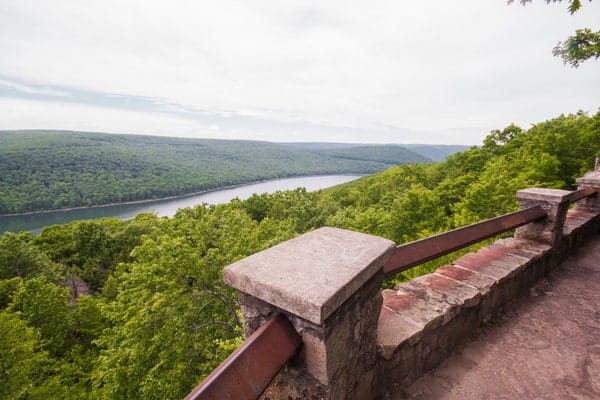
581 46
585 44
21 357
47 308
20 257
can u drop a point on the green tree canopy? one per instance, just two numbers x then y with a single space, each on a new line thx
581 46
159 317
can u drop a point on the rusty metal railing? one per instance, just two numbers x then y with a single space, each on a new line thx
581 194
414 253
418 252
247 372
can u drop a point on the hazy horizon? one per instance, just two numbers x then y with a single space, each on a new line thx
212 138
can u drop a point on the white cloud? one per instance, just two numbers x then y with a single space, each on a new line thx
31 89
428 66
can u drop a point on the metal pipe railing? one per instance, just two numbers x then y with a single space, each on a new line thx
581 194
418 252
414 253
247 372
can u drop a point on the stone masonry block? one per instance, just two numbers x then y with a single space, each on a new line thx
480 263
312 275
444 289
495 261
513 263
481 282
555 202
486 285
530 249
337 355
590 179
577 218
327 283
503 256
393 330
550 196
424 312
315 352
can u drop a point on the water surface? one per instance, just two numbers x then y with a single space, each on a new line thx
167 208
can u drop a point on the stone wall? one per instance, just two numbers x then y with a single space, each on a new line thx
423 320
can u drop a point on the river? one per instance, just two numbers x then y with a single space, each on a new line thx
167 208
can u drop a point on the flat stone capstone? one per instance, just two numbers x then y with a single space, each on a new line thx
312 275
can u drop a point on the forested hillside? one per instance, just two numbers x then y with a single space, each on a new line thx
43 170
159 318
377 153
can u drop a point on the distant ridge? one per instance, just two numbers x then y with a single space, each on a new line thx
434 152
437 152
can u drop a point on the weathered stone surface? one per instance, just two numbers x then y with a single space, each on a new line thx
590 179
555 202
481 263
481 282
500 251
576 218
425 312
526 248
315 352
512 264
407 349
393 330
554 196
444 289
581 213
501 256
311 275
337 357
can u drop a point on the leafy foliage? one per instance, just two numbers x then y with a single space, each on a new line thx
158 316
581 46
20 357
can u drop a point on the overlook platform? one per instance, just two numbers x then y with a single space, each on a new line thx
516 319
546 346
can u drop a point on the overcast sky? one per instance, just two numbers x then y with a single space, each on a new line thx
347 71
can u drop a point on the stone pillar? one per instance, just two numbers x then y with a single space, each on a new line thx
327 283
555 202
590 179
